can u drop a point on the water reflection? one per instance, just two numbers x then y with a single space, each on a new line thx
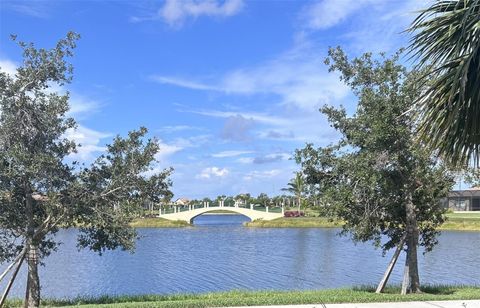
220 254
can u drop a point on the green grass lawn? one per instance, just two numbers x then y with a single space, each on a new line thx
455 221
295 222
158 223
465 215
223 212
469 221
249 298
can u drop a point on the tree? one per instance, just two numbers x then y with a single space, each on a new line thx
40 192
277 201
208 200
296 186
376 178
446 40
219 199
472 177
229 201
263 199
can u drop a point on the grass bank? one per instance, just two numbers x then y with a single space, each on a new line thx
455 222
158 223
246 298
295 222
462 222
221 212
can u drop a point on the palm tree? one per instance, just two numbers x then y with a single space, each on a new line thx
446 41
296 186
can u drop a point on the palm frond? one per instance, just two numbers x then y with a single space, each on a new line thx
447 39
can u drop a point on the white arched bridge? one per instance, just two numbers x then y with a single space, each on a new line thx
191 212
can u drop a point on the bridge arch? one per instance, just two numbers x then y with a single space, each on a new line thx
189 215
226 209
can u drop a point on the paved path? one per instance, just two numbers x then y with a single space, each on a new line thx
431 304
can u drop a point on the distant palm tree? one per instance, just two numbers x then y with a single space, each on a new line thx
446 40
296 186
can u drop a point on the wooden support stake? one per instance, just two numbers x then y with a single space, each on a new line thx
406 276
390 267
13 263
10 283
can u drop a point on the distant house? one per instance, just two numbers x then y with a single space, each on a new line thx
464 200
181 201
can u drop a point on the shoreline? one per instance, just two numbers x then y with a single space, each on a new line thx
455 222
267 297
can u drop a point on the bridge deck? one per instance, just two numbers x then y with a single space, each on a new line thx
189 215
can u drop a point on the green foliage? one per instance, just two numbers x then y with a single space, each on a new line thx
373 172
39 190
472 177
447 42
33 176
297 187
263 199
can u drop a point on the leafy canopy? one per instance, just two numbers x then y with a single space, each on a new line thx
39 190
370 174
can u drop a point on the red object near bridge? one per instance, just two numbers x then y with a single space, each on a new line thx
294 214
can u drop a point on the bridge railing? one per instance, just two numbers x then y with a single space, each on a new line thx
185 208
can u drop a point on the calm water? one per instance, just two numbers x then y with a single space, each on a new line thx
220 254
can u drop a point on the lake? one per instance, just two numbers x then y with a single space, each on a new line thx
219 254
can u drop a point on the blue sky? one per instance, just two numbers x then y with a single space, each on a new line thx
230 88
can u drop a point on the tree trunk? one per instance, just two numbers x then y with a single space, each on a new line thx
299 202
32 295
412 284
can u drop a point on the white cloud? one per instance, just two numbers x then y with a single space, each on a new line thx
210 172
176 12
370 25
8 67
328 13
299 77
165 150
193 141
178 128
81 105
37 9
261 174
177 145
295 127
224 154
257 117
183 83
245 160
90 143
